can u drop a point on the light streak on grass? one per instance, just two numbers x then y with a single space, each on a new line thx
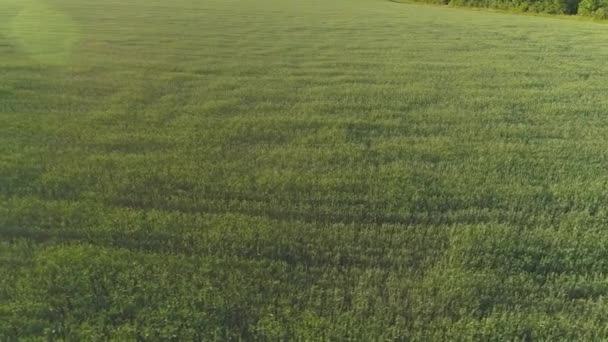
44 33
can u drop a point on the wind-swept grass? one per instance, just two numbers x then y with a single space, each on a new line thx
313 170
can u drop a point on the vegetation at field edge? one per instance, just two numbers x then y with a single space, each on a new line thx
597 9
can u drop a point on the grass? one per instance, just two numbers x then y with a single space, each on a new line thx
308 170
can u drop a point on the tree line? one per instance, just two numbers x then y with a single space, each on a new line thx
589 8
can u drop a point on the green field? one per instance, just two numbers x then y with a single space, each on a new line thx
300 170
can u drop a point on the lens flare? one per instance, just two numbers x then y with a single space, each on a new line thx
43 33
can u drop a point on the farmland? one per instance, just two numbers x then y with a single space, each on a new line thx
300 170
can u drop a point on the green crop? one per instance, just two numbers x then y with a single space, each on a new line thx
300 170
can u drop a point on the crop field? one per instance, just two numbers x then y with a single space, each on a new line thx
300 170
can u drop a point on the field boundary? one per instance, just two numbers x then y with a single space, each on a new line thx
571 17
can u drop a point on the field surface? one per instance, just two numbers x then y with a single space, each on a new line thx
300 170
